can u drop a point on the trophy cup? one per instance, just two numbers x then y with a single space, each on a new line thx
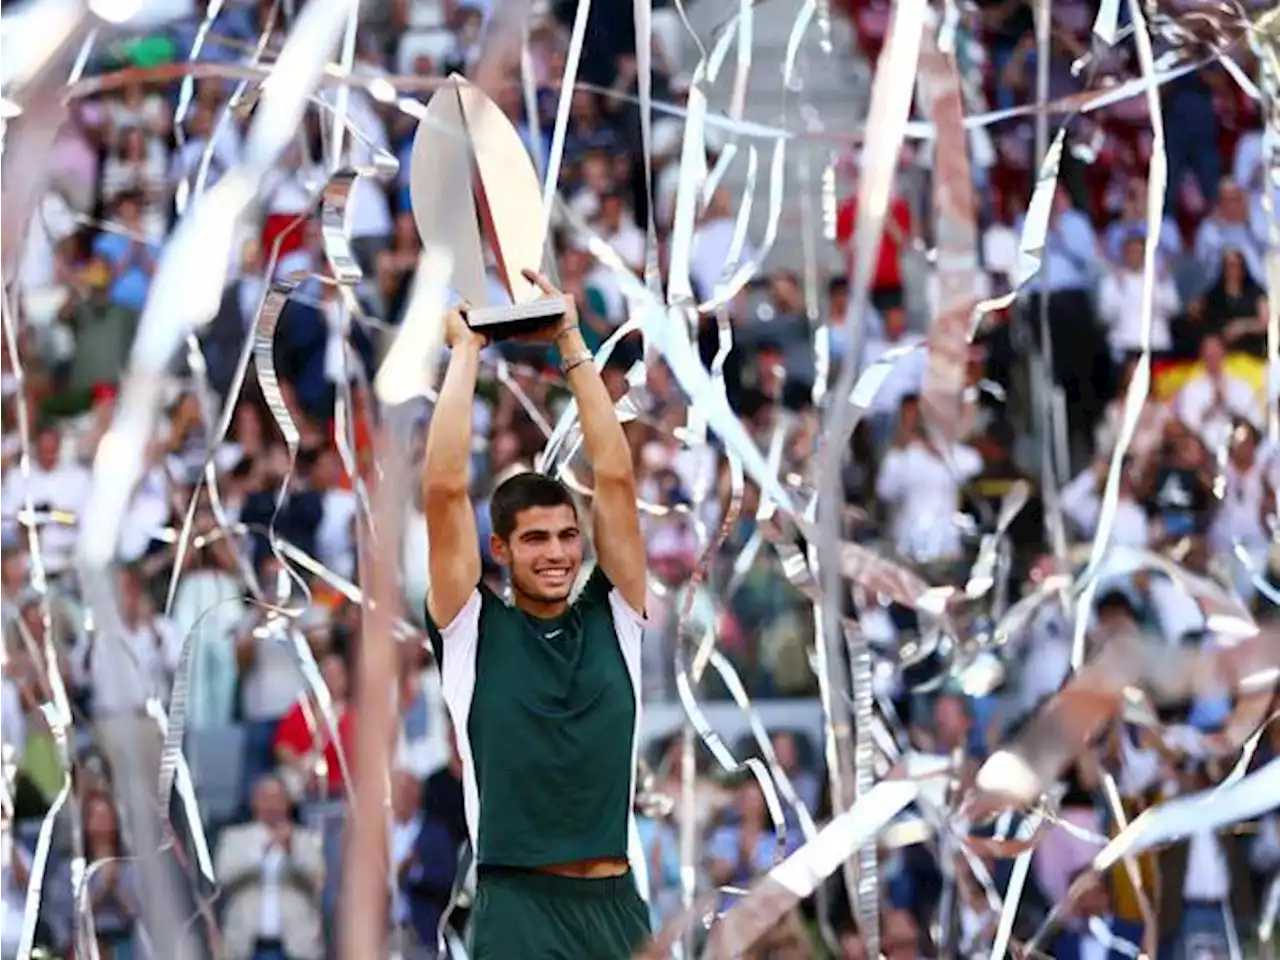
469 175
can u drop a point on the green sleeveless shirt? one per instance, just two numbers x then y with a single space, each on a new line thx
546 714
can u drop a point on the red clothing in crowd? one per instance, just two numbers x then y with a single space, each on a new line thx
888 275
274 227
294 733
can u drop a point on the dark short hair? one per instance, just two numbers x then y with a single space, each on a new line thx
1116 601
524 491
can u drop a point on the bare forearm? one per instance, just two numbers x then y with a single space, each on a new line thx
449 438
601 431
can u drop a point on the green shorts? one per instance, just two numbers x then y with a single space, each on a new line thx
526 915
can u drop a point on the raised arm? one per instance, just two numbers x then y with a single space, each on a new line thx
616 520
453 559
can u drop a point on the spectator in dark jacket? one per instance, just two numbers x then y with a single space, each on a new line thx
426 862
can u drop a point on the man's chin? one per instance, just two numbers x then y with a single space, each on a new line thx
548 593
553 595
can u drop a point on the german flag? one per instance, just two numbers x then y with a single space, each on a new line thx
1169 376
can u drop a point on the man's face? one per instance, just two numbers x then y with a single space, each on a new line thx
784 746
952 722
130 590
786 295
404 795
852 947
1094 901
543 553
129 213
900 937
1133 251
611 212
327 472
270 802
751 803
895 322
334 673
1231 202
909 415
1244 446
1190 453
1212 354
13 569
1115 619
595 172
48 446
839 304
583 105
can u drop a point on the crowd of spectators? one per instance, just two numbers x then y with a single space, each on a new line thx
1198 484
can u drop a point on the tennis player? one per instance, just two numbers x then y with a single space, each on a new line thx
544 692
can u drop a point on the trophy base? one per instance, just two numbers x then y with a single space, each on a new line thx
516 320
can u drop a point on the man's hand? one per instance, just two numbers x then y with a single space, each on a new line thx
282 835
568 322
1219 395
456 331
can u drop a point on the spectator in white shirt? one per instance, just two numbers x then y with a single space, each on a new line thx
1239 520
922 485
1149 433
140 165
906 377
712 244
50 486
422 745
208 607
1047 656
1120 303
52 221
1210 402
271 871
1133 220
126 669
270 680
1229 227
1082 505
188 162
335 535
1249 166
137 109
618 229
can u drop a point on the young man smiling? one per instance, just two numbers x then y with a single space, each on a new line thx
544 692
